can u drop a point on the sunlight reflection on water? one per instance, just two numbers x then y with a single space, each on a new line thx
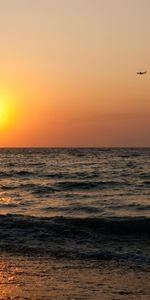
26 278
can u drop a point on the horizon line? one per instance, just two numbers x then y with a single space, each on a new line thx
75 147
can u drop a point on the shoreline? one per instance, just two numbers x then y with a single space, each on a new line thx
41 278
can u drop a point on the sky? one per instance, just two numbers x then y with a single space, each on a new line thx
68 73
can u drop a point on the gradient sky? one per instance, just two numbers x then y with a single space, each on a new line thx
68 72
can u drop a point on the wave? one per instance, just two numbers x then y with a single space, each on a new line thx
21 173
115 225
88 185
62 186
76 238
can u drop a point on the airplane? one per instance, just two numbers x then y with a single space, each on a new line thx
141 73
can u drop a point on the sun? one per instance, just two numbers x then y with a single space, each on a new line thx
7 113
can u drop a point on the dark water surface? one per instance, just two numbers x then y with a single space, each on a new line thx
80 205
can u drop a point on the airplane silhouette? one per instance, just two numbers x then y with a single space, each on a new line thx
141 73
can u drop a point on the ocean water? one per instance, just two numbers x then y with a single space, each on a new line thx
77 209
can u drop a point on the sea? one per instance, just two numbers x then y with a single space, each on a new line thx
74 223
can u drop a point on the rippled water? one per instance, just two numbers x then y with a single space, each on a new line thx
75 182
76 203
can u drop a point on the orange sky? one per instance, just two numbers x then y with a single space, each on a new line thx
69 70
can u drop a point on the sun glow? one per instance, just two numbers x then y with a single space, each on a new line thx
7 112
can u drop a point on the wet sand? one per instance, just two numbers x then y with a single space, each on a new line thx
44 278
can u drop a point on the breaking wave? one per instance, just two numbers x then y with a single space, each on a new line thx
76 238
